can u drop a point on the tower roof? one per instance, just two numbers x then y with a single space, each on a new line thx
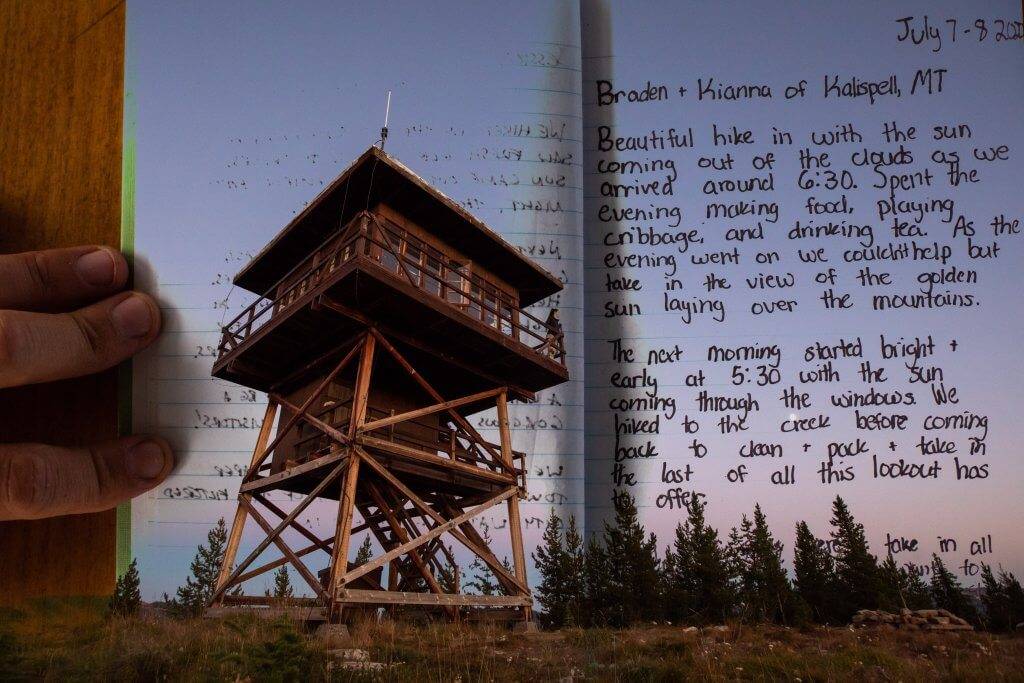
376 177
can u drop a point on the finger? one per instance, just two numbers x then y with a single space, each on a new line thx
39 481
60 279
42 347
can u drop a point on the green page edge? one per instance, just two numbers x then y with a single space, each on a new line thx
123 531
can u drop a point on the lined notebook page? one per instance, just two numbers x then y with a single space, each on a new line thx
802 268
244 116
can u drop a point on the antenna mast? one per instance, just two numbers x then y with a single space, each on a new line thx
384 130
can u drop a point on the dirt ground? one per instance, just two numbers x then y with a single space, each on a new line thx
72 640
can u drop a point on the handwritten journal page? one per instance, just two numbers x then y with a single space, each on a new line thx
245 112
788 234
802 268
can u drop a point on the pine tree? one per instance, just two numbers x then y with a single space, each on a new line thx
947 592
481 579
902 588
446 578
365 552
551 562
995 600
891 580
814 572
193 597
126 598
575 578
916 592
698 580
598 593
283 583
1011 588
764 587
857 573
632 567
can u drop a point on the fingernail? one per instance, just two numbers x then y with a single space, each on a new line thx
146 460
97 268
133 317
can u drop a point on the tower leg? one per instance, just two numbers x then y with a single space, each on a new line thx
347 499
238 524
514 523
346 507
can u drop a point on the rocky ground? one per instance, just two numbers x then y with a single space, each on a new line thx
73 641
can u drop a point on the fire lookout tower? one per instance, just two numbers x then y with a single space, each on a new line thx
386 315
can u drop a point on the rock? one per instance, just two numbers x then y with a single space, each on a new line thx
350 654
332 636
364 666
925 619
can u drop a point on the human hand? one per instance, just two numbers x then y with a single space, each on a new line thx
63 314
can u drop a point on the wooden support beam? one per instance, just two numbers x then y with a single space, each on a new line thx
442 527
343 533
413 342
430 410
403 537
259 600
264 568
281 514
419 455
480 550
472 539
441 600
353 341
361 391
238 524
514 522
274 481
277 530
315 421
461 421
407 518
385 543
251 474
375 530
347 498
283 547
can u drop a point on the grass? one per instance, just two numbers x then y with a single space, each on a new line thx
71 640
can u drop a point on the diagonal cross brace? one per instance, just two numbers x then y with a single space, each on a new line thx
278 529
420 540
430 410
315 421
251 474
461 421
283 547
481 551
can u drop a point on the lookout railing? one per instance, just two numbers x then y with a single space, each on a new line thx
392 248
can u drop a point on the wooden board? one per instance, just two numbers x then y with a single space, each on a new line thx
61 79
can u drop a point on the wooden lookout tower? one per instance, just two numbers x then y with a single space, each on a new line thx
386 316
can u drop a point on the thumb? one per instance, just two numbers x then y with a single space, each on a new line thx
38 481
